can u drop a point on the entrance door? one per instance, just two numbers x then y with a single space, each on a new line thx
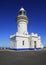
34 44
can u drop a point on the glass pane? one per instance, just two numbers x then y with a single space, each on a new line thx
20 12
24 12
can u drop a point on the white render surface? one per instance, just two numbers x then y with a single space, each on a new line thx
22 27
22 39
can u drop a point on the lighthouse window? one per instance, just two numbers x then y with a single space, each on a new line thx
20 12
24 12
23 43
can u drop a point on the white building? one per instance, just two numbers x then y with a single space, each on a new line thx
22 40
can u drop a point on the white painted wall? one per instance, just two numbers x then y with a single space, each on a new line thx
34 37
20 42
13 42
22 27
28 41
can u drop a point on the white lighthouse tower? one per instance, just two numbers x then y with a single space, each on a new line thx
22 34
22 21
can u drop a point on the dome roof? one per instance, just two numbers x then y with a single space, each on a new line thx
22 9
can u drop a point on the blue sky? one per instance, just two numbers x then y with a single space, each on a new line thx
36 12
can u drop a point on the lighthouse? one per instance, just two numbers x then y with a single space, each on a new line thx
22 33
22 21
22 40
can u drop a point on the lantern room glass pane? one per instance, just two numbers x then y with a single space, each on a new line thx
20 12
